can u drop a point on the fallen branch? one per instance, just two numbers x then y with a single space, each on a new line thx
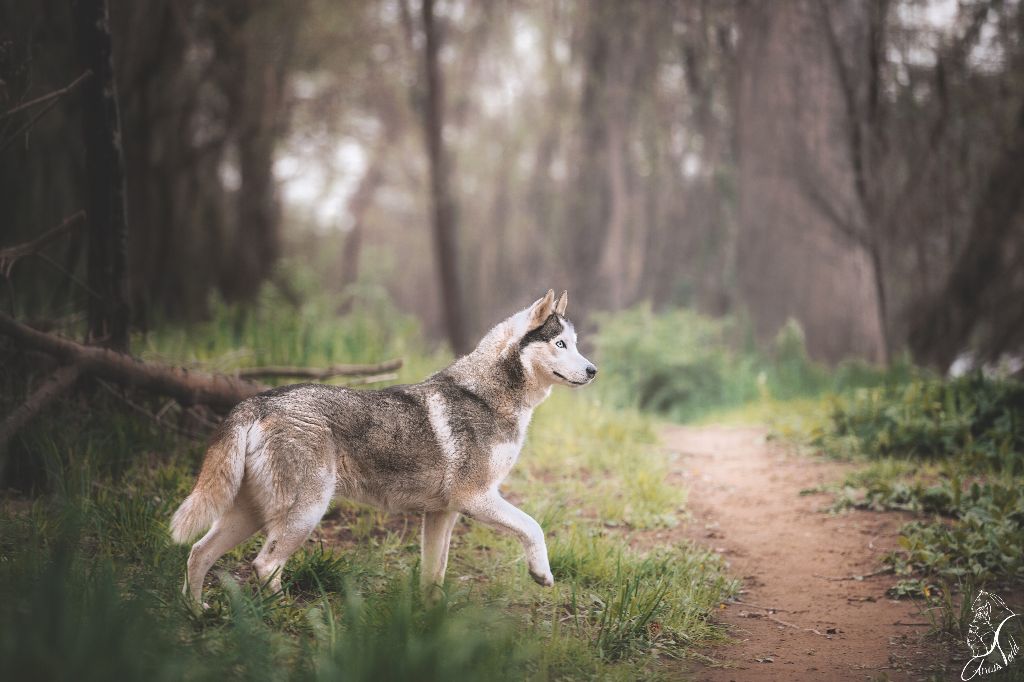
373 379
222 392
842 578
52 387
12 254
758 606
796 627
48 96
218 391
320 374
156 417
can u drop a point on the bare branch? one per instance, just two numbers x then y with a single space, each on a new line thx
156 417
53 387
854 136
319 374
827 207
12 254
373 379
49 96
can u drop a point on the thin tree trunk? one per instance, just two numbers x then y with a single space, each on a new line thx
882 298
108 310
613 265
361 201
444 218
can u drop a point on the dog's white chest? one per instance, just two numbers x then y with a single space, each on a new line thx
503 458
504 455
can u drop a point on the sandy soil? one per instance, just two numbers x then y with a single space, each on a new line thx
804 613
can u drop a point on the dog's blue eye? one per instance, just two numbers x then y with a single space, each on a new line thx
560 344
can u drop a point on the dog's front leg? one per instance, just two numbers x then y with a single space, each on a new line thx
436 537
496 512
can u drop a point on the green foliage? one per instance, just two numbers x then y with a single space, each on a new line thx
65 617
985 542
677 362
976 419
277 331
394 637
951 449
311 572
686 365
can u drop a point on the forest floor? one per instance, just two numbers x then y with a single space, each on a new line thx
813 602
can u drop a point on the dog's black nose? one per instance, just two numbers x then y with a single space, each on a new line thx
591 371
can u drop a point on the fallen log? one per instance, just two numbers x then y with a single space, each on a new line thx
219 391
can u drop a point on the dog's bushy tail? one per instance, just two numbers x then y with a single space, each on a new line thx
216 488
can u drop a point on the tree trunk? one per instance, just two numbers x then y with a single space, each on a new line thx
944 327
790 261
108 311
444 218
359 204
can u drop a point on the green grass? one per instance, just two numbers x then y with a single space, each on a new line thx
87 569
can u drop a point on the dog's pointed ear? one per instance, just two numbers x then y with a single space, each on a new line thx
541 309
563 301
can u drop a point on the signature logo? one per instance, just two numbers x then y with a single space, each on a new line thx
992 646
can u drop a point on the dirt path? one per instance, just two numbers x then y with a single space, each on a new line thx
802 616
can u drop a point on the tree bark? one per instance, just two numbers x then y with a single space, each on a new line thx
944 327
444 212
108 310
360 203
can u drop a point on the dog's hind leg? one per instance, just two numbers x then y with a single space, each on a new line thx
436 537
285 536
495 511
233 528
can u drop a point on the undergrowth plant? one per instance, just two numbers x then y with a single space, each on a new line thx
685 365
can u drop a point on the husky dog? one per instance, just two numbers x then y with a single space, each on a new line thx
441 448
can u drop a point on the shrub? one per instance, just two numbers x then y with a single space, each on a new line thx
678 363
975 418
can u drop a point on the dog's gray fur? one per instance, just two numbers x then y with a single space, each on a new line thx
441 447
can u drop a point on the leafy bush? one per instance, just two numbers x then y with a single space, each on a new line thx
678 362
976 419
683 364
952 449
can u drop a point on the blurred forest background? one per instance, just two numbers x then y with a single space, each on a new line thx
857 166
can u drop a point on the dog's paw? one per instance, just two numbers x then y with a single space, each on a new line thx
543 579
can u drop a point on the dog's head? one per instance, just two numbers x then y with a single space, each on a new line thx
548 346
